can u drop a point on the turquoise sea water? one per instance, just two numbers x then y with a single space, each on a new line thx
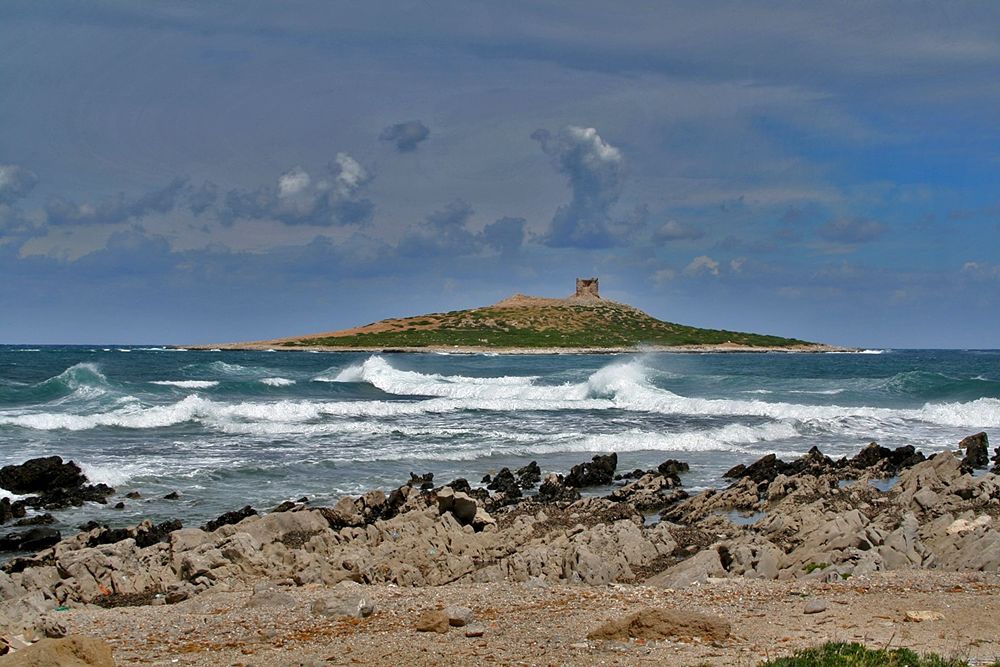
231 428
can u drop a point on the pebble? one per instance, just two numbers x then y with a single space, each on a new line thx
814 606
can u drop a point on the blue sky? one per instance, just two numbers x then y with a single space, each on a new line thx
203 172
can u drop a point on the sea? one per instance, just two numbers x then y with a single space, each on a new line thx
229 428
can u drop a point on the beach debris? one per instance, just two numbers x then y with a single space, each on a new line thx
919 616
658 623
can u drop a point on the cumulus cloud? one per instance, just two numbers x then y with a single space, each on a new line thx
675 231
702 265
15 182
596 173
406 136
293 182
334 198
506 235
851 230
202 198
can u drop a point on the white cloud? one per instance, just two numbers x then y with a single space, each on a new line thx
351 176
702 264
293 181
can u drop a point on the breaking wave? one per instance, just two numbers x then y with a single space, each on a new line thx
618 386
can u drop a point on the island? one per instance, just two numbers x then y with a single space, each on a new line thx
582 323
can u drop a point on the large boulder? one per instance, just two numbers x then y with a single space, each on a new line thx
40 475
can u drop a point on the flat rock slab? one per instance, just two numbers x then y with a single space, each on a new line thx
72 651
663 624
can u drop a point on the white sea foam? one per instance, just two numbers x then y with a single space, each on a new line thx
277 382
622 386
112 474
187 384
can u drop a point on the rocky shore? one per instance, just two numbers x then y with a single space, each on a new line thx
522 565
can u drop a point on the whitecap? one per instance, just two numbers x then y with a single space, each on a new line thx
187 384
277 382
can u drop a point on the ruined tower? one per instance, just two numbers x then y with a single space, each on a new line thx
587 287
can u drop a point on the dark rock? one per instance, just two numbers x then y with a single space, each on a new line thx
672 468
487 478
37 520
145 534
529 475
40 475
554 489
119 506
229 518
173 495
600 471
133 495
423 482
735 472
461 484
505 483
303 499
89 526
6 513
890 460
286 506
977 453
59 498
635 474
34 539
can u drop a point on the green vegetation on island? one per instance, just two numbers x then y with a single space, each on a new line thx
527 322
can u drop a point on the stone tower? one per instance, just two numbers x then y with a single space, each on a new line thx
587 287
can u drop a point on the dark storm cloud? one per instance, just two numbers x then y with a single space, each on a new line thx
505 235
596 174
851 230
406 135
203 198
443 232
15 182
60 211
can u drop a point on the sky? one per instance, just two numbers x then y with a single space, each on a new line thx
189 172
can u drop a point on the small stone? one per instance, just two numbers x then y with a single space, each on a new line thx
475 631
459 616
119 505
433 621
133 495
814 606
923 615
173 495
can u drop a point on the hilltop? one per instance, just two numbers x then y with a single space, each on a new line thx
584 322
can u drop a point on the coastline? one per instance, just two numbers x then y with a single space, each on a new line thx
276 345
787 556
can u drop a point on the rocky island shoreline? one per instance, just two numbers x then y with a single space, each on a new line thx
888 546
